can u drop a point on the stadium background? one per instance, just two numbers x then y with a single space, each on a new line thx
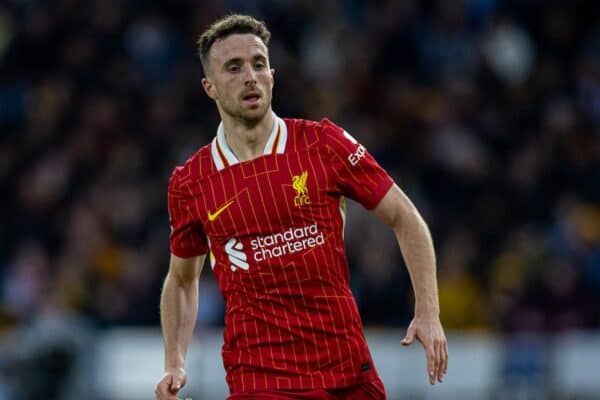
486 112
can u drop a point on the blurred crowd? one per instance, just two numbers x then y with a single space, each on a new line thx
485 112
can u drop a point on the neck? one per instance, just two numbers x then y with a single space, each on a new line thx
248 142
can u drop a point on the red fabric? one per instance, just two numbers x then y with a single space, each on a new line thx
366 391
291 320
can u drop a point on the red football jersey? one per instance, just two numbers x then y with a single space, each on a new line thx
274 229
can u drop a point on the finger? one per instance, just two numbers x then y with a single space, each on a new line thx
436 359
409 338
445 349
176 384
163 394
439 360
430 352
162 388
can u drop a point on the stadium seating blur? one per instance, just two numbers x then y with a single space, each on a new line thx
486 112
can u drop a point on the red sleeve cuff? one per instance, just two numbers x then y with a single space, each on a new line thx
380 191
187 253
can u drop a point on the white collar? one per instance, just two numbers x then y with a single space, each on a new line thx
223 157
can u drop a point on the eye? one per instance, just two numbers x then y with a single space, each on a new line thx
233 68
259 65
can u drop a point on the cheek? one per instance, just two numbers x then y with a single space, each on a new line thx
267 81
228 88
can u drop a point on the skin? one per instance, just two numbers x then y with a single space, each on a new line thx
178 310
397 211
238 67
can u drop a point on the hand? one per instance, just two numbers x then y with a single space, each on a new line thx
170 383
430 333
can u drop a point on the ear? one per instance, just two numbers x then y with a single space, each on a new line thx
272 76
209 88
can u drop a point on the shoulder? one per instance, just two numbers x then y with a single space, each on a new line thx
299 125
195 167
311 132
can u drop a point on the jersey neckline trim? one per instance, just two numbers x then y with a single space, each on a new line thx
223 157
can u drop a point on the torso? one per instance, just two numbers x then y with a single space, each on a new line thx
275 231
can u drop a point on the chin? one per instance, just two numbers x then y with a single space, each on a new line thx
248 115
254 113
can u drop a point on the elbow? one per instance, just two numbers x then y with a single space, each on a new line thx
183 280
409 219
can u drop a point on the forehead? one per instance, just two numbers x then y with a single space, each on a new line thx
237 45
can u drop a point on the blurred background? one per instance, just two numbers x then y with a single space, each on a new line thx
486 112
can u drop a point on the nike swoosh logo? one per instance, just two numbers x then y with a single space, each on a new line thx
213 216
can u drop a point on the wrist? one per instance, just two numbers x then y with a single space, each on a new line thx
174 370
174 363
427 311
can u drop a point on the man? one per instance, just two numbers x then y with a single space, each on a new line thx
265 200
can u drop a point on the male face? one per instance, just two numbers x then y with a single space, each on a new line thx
239 77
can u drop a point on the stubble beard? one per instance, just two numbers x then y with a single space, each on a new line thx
249 118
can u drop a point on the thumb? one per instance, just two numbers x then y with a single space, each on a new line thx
409 338
175 384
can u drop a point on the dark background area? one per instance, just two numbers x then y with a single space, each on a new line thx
485 112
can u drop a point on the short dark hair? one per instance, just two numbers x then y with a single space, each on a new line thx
229 25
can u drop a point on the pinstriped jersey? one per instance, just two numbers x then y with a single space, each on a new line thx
273 228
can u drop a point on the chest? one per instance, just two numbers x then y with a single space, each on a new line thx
264 196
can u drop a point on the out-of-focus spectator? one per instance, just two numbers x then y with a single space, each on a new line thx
509 52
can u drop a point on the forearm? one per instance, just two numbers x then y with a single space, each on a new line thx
417 249
178 310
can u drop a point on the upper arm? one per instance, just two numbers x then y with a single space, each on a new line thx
187 237
357 175
186 269
394 207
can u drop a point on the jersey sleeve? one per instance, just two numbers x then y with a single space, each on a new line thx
358 175
187 238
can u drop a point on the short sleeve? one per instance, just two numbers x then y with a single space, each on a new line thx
187 238
358 175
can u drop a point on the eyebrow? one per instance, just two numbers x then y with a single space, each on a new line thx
238 60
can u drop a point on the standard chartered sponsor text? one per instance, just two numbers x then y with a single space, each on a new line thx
289 241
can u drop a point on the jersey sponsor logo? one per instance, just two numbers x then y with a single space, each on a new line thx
299 185
360 152
235 252
213 216
357 155
290 241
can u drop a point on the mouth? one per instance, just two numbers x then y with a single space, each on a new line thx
251 97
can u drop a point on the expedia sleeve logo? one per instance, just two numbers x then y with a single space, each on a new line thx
358 154
355 157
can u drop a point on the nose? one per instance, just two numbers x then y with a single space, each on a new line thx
249 75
